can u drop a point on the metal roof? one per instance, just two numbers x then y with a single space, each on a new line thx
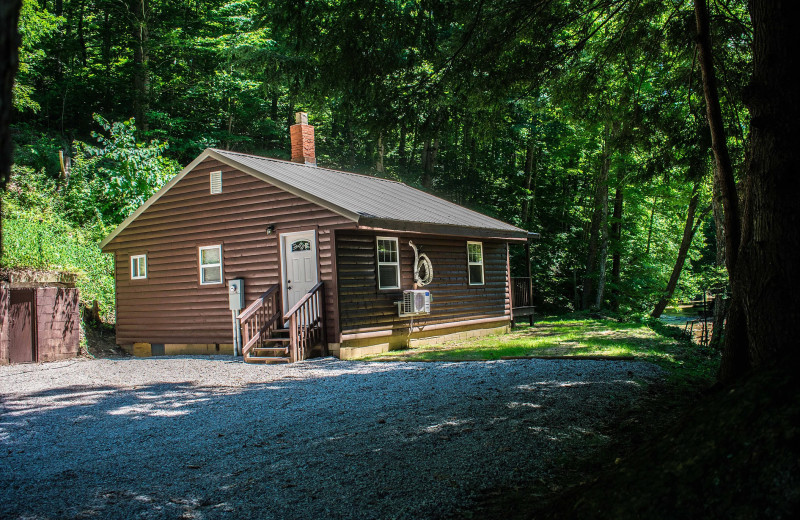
369 201
375 201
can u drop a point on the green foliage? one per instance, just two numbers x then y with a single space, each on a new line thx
113 179
505 108
36 25
52 224
36 235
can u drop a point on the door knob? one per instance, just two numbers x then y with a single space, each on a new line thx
289 288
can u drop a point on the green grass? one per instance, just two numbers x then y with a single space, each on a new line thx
578 337
40 240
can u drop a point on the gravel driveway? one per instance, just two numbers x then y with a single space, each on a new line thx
212 437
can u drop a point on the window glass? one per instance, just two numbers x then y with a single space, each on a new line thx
211 264
138 267
301 245
388 263
210 255
475 262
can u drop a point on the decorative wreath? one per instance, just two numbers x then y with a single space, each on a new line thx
423 268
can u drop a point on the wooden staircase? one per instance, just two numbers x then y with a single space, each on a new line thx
266 341
274 349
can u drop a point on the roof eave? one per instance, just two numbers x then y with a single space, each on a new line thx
284 186
149 202
379 224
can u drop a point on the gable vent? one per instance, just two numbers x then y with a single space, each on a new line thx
216 182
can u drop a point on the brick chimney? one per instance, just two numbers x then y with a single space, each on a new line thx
302 135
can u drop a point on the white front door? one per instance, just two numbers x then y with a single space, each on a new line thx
299 252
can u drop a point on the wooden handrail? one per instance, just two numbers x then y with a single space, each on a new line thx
521 292
302 301
307 323
259 319
253 307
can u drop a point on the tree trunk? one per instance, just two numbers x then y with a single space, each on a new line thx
81 38
720 302
616 255
379 163
401 151
429 161
602 259
650 226
527 203
723 168
766 280
106 50
600 193
689 230
141 64
9 61
274 107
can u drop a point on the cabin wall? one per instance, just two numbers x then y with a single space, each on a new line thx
365 308
171 306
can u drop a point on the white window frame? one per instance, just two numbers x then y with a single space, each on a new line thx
139 275
396 264
206 266
470 263
211 183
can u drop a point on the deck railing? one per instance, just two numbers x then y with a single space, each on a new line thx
307 323
260 319
521 292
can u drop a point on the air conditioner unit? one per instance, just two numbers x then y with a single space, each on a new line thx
415 302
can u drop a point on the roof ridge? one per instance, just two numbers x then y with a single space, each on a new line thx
261 157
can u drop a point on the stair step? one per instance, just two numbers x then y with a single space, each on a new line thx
266 359
281 340
281 349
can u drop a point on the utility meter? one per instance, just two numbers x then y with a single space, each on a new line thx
236 294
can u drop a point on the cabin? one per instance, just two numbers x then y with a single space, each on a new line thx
282 260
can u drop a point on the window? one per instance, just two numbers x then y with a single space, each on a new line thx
210 265
301 245
215 181
475 262
138 267
388 264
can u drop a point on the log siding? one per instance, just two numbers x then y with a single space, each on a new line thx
171 305
363 306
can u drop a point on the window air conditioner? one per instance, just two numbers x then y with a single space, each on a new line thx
415 302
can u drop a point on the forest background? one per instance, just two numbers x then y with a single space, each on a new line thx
583 121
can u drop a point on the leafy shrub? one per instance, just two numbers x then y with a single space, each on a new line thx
36 235
108 182
52 224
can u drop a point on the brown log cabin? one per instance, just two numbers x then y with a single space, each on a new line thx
325 258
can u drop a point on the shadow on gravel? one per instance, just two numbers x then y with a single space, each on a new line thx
326 439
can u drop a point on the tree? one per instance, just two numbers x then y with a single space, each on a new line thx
765 281
9 46
692 224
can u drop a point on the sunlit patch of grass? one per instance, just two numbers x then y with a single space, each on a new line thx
575 338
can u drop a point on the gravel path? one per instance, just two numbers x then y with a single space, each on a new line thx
212 437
